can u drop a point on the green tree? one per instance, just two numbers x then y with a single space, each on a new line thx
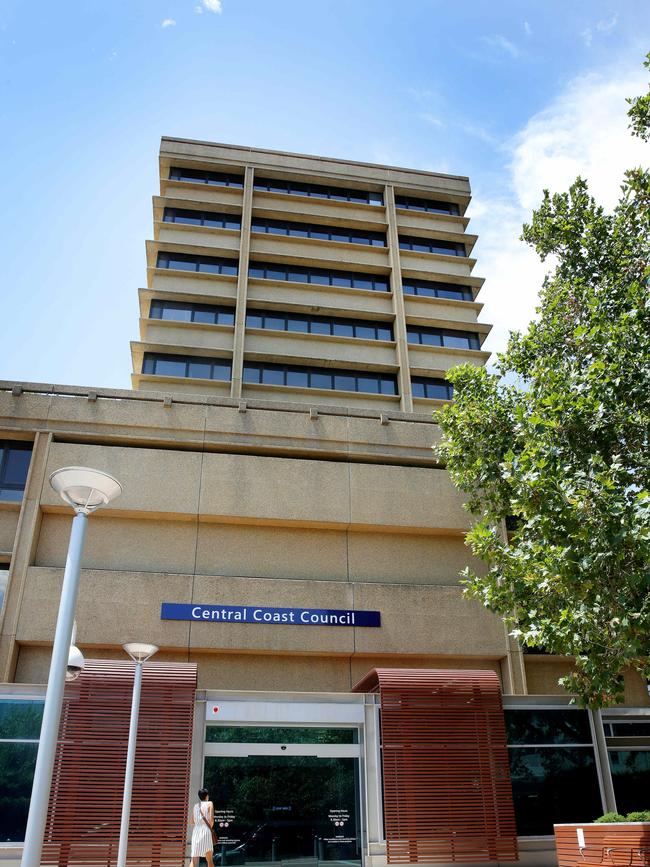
558 442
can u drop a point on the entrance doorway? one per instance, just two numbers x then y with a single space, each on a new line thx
284 795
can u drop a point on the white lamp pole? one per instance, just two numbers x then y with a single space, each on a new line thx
85 490
139 653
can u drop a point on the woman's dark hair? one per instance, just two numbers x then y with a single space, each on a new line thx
203 794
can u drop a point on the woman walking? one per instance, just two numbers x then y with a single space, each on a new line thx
203 815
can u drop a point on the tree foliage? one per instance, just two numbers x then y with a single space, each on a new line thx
558 442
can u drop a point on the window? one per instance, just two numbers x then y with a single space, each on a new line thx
273 734
4 576
317 377
628 750
431 245
434 389
201 218
321 233
303 324
14 465
440 337
319 276
430 205
204 264
181 311
433 289
552 768
201 176
20 725
186 366
318 191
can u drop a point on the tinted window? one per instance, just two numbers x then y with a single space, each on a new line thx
431 245
201 176
318 232
442 337
187 262
201 218
14 466
262 270
553 785
433 289
272 734
433 206
434 389
182 311
631 778
319 191
324 325
314 377
180 365
561 726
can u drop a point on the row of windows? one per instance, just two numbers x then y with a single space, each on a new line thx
425 245
14 465
186 365
201 218
191 262
320 377
434 389
430 205
432 289
321 233
337 327
203 176
318 191
320 276
183 311
294 376
440 337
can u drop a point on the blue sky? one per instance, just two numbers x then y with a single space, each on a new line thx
518 95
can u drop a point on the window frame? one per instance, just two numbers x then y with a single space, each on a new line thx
433 288
193 309
446 248
283 272
7 446
331 321
201 216
383 380
214 178
150 359
421 331
220 262
318 191
429 206
294 229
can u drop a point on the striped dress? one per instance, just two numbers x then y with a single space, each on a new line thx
201 833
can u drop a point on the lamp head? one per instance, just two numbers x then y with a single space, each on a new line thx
85 489
76 663
140 652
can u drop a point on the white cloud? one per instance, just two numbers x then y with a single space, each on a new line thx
211 6
607 24
168 22
431 119
527 28
583 131
502 44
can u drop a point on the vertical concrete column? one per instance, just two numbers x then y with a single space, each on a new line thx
22 557
242 285
404 377
513 668
602 761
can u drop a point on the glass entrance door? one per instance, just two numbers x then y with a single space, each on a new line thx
293 804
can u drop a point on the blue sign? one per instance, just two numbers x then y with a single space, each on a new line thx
252 614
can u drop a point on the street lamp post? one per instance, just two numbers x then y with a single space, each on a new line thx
139 653
86 490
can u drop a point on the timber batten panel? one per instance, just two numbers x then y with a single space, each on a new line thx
83 823
447 791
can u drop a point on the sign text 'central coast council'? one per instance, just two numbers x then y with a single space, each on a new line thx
252 614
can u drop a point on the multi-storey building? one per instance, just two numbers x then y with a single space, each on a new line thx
286 534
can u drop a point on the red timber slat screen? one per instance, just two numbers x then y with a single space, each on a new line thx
447 792
83 822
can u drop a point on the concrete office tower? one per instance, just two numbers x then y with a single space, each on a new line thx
285 534
306 279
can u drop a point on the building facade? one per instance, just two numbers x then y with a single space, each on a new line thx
284 525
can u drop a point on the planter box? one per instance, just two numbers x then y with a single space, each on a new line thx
613 844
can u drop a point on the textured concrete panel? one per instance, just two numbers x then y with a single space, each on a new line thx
112 608
290 673
8 524
427 620
274 489
271 552
405 497
404 558
154 480
125 544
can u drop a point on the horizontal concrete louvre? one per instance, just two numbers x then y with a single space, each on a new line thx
83 821
273 489
405 497
447 792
